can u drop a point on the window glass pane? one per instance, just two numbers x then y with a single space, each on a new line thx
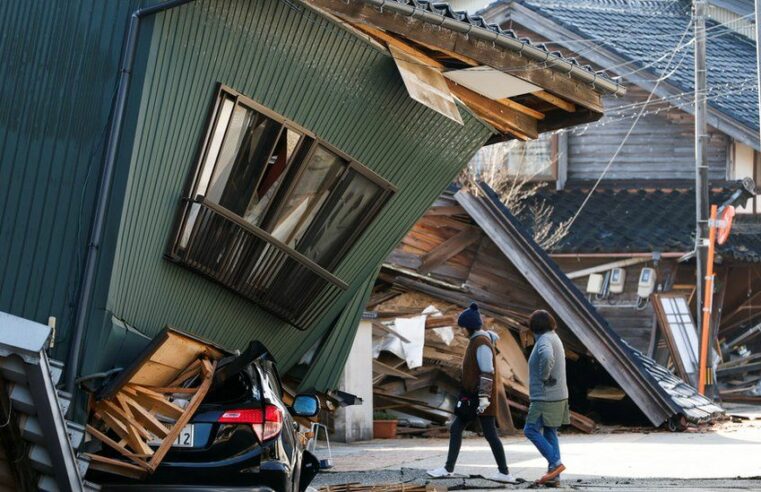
340 218
273 176
223 118
235 132
531 159
309 193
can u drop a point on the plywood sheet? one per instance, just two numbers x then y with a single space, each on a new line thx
426 85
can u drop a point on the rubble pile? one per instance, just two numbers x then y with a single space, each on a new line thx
418 352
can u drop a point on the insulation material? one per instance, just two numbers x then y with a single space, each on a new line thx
413 329
491 83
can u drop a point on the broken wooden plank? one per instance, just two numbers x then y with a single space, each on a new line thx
117 467
121 429
167 356
385 38
153 401
136 433
606 393
555 101
504 118
440 321
578 421
118 447
387 330
537 115
174 390
143 416
185 417
190 371
381 368
449 248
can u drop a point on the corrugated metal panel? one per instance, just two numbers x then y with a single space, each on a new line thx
58 72
661 146
327 367
313 72
741 24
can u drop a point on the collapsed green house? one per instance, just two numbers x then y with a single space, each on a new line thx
240 169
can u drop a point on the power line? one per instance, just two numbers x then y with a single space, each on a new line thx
623 141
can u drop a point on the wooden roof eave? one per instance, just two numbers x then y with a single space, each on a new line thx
465 47
508 118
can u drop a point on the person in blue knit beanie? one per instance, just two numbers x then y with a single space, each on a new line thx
478 397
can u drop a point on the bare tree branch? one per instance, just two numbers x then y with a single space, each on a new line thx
516 189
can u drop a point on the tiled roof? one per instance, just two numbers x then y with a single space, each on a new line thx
635 220
647 31
696 408
43 441
445 10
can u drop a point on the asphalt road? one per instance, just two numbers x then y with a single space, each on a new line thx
725 457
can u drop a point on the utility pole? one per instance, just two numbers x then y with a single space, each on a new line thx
758 52
701 161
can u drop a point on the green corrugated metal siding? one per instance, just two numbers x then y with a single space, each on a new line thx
58 67
325 371
314 73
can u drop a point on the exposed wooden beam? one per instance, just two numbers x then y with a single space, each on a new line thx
451 54
555 101
537 115
449 248
390 40
505 133
503 118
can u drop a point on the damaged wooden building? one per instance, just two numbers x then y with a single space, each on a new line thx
469 247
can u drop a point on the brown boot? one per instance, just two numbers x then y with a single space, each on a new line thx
551 475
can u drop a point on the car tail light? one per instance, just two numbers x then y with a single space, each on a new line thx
266 423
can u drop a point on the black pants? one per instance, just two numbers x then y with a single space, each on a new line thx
490 433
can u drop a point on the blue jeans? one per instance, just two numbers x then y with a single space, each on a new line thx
545 439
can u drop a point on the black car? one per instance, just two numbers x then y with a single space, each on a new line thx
242 437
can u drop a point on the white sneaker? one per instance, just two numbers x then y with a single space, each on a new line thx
502 478
440 473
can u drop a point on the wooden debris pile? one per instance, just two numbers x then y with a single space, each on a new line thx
739 372
140 414
395 487
424 396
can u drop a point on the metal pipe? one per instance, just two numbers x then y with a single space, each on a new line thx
104 189
671 254
502 41
609 266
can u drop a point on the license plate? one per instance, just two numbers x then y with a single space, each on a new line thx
184 438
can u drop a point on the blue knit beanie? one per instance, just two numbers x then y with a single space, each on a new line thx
470 318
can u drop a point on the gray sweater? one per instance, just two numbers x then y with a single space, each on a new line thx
546 367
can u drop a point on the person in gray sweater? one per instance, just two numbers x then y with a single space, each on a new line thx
548 393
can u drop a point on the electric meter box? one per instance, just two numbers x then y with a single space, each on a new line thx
594 285
646 282
617 280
